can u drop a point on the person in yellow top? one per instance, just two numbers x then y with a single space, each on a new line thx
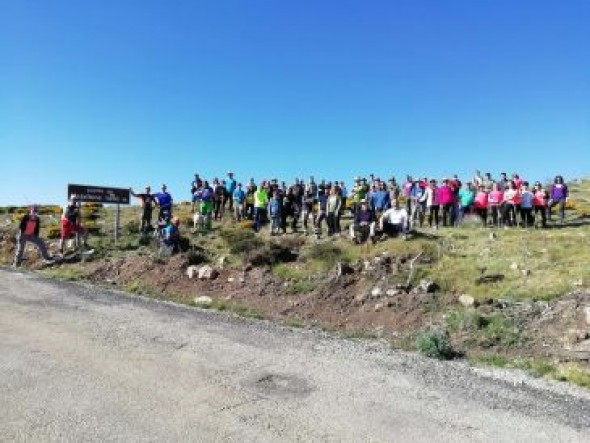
260 204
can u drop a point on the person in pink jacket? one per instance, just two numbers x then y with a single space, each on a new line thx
481 204
495 200
446 199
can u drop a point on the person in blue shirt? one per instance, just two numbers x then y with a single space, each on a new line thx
230 187
380 199
164 200
418 206
239 198
171 236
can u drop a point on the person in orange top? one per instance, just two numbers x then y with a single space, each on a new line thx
29 232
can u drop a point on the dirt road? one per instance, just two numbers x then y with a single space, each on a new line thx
78 363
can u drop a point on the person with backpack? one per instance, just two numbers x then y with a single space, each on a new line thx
28 231
220 196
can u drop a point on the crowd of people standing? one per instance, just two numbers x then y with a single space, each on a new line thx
376 205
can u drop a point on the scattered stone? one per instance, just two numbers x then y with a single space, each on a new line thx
525 272
367 266
587 311
427 286
206 272
192 271
361 297
376 292
231 279
514 266
242 280
574 336
379 307
577 283
466 300
393 292
222 260
203 301
492 236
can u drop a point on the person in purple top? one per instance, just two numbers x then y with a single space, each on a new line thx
558 196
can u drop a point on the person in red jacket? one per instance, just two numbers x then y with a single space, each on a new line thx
29 232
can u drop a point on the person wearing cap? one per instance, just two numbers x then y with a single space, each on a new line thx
147 201
164 201
28 231
363 227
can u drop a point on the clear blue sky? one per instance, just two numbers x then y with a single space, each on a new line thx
125 93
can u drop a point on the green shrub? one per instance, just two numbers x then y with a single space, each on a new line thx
435 344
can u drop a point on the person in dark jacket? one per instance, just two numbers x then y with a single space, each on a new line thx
363 227
29 232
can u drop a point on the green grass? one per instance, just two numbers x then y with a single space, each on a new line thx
64 273
484 330
571 373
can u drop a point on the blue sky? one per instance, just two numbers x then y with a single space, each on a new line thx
126 93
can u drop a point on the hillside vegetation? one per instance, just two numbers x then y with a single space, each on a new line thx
512 297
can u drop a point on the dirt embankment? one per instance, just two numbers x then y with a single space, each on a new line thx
369 298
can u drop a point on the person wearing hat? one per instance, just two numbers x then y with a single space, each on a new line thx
28 231
147 200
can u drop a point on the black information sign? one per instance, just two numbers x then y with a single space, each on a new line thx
99 194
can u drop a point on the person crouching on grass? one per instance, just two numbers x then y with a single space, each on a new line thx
394 221
29 232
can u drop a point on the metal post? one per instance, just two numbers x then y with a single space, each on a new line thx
117 222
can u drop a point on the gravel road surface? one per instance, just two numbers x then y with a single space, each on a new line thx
86 364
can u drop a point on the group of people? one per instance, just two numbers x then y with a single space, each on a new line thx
379 208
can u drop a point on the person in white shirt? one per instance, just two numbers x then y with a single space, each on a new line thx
394 221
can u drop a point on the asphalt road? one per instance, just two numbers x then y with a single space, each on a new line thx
85 364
